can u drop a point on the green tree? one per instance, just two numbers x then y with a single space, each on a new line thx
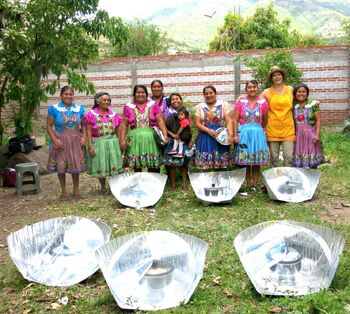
39 38
346 29
262 30
144 40
261 66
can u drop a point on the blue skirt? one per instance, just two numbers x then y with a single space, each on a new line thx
252 146
210 154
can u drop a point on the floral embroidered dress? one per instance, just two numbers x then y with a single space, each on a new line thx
209 153
252 146
67 121
142 150
108 158
306 152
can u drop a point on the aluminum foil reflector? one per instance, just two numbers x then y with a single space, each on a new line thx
138 190
289 258
152 270
217 187
293 185
58 251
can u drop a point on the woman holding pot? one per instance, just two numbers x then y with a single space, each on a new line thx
211 115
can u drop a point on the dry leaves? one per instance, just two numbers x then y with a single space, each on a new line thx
55 306
279 309
216 280
228 293
28 286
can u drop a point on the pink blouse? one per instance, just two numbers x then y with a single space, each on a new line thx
255 113
154 110
90 119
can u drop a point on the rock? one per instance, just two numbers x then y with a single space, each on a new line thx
39 156
4 157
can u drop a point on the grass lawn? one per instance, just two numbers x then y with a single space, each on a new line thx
225 287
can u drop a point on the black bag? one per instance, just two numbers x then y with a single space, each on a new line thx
20 144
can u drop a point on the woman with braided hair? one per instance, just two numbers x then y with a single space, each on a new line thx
104 155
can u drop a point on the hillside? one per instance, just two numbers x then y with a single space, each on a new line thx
189 23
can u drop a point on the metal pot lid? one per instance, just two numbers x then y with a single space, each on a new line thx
292 256
222 136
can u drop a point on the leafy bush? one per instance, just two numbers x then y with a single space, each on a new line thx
261 66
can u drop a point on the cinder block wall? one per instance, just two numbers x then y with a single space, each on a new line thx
325 70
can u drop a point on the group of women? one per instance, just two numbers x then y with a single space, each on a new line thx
257 126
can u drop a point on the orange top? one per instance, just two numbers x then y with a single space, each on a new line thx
280 124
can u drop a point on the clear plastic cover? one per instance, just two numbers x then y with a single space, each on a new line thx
58 251
289 258
218 186
293 185
138 190
126 261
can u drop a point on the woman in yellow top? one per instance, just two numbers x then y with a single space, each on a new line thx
280 125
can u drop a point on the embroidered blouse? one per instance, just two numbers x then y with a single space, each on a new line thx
57 111
94 118
306 115
215 115
128 112
248 114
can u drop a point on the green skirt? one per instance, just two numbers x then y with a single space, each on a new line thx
142 150
108 160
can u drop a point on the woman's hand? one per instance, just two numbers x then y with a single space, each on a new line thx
236 139
57 144
123 145
230 139
212 133
316 140
166 139
82 140
92 151
176 136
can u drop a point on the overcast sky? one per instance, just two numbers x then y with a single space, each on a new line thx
137 8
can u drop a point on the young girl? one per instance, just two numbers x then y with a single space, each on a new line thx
183 134
307 117
104 157
251 114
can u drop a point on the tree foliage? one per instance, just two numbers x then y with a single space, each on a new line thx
262 30
144 39
40 38
261 66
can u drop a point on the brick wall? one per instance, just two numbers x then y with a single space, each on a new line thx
325 70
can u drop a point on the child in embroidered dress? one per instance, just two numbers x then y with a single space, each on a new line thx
179 139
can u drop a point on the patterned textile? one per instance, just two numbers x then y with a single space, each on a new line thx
306 153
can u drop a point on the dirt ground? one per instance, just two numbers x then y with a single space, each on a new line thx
17 211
